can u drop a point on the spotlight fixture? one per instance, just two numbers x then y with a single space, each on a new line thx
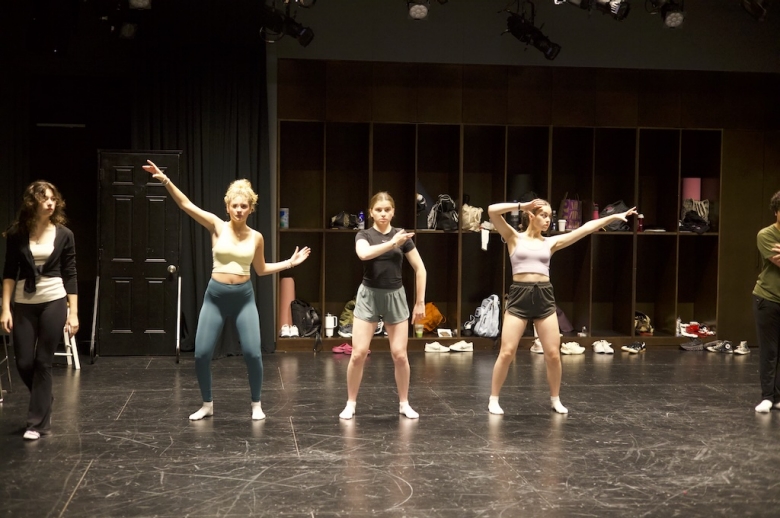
523 29
617 9
139 4
418 9
672 11
757 8
277 24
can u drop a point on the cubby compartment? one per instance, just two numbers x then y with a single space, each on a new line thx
439 253
659 166
612 288
307 275
483 165
656 280
342 270
527 162
393 170
700 158
301 166
438 162
346 169
482 271
697 278
570 275
614 169
572 166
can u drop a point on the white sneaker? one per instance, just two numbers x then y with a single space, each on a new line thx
462 346
285 332
536 347
571 348
294 332
602 347
436 347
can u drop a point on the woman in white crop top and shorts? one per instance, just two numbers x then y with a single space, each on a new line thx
531 298
229 295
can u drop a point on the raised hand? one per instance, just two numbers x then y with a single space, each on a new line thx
155 172
532 205
401 237
624 215
300 256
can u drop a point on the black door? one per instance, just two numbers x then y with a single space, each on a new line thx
138 255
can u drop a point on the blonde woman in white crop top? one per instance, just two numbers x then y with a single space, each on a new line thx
531 296
229 295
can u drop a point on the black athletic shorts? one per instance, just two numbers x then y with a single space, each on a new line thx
531 300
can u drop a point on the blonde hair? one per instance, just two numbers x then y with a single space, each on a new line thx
243 188
380 196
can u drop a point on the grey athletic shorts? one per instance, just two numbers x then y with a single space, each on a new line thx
531 300
373 303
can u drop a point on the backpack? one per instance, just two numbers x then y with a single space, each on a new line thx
305 318
432 318
642 324
444 214
471 217
615 208
488 317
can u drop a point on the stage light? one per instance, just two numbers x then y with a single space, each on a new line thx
524 30
139 4
757 8
277 24
418 9
672 11
617 9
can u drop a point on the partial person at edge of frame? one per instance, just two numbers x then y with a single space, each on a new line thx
530 297
39 276
229 294
766 310
382 248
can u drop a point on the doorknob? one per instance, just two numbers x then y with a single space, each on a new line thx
171 269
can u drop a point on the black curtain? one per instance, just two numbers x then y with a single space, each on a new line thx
201 88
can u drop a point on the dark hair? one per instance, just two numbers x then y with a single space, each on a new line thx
525 219
32 197
774 203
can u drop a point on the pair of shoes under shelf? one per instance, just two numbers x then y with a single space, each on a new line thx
289 331
603 347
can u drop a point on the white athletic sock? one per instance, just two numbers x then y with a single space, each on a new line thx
206 410
257 412
493 406
349 410
557 406
764 407
405 409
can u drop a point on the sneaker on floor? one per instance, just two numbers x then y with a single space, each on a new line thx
742 348
635 347
536 347
694 345
571 348
721 346
462 346
285 332
294 332
602 347
341 349
345 331
32 435
436 347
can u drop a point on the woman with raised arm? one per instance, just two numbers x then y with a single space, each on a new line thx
531 298
229 295
381 294
39 276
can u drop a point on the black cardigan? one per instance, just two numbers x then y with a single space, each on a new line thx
19 263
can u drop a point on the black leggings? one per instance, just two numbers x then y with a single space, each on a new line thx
767 315
37 331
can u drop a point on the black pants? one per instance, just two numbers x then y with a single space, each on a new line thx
37 331
767 314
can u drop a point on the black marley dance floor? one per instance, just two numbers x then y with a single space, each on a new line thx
661 433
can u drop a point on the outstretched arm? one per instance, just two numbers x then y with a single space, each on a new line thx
564 240
207 219
264 268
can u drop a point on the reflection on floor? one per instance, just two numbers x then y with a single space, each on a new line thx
662 433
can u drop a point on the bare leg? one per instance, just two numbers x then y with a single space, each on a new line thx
398 334
362 332
550 337
510 339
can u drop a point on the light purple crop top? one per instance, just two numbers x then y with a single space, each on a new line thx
527 260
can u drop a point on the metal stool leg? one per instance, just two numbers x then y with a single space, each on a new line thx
7 367
71 351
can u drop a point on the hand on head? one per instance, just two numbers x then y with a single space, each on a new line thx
532 205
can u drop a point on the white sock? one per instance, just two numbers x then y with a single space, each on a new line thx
257 412
777 406
206 410
764 407
557 406
405 409
493 407
349 410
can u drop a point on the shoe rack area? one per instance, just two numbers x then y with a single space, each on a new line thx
347 131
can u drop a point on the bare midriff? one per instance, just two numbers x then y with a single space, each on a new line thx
530 277
229 278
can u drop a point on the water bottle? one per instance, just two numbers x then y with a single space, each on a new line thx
595 211
361 220
640 223
554 222
514 217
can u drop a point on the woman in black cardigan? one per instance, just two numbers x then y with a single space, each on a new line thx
40 278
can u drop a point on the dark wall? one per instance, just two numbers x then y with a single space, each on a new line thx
717 35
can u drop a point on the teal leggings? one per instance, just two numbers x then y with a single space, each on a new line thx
223 302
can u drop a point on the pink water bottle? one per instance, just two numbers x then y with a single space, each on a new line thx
595 211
